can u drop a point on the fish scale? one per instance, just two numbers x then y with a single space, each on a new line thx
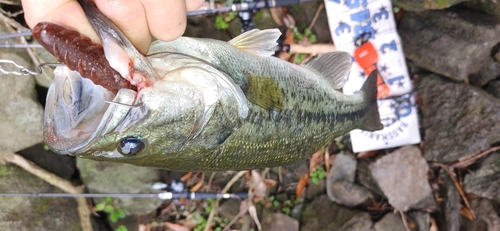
208 105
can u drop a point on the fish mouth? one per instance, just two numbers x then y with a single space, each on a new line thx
78 111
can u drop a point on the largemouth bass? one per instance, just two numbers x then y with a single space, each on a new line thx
205 105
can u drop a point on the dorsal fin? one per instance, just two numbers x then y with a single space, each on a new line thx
258 42
333 66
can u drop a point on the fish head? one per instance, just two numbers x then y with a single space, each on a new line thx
86 120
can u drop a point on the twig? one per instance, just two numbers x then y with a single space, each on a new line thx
211 179
6 2
238 216
405 222
54 180
313 49
457 185
224 190
320 7
466 161
12 15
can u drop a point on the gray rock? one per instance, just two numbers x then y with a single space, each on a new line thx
486 74
21 114
390 222
361 222
323 215
402 176
279 222
365 178
484 181
348 194
229 209
491 7
297 210
343 168
340 182
421 5
486 217
422 220
450 205
458 119
457 48
314 189
494 88
34 213
105 177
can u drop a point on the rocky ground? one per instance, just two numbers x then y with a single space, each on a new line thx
450 181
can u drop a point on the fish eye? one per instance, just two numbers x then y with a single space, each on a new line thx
130 146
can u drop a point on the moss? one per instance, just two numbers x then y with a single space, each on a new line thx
4 171
41 207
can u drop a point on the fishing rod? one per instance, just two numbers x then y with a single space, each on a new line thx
174 190
245 9
161 195
244 6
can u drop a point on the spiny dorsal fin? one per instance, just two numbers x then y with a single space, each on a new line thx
258 42
265 92
333 66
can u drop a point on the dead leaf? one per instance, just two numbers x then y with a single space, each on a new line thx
186 177
197 186
142 227
434 226
316 159
301 185
366 154
327 161
258 185
253 213
270 183
176 227
464 211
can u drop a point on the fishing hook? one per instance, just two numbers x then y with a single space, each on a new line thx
23 70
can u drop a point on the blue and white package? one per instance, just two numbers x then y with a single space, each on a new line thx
351 19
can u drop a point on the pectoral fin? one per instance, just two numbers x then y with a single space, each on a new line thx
265 92
333 66
258 42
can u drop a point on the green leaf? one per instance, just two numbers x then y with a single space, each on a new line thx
100 206
232 15
313 38
113 217
121 213
276 203
286 210
220 23
46 147
271 198
109 209
299 58
121 228
315 180
109 199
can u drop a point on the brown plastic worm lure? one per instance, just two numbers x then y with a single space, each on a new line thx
80 54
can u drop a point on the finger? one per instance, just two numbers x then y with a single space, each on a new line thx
166 19
63 12
130 17
192 5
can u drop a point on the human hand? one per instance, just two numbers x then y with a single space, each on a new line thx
138 19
